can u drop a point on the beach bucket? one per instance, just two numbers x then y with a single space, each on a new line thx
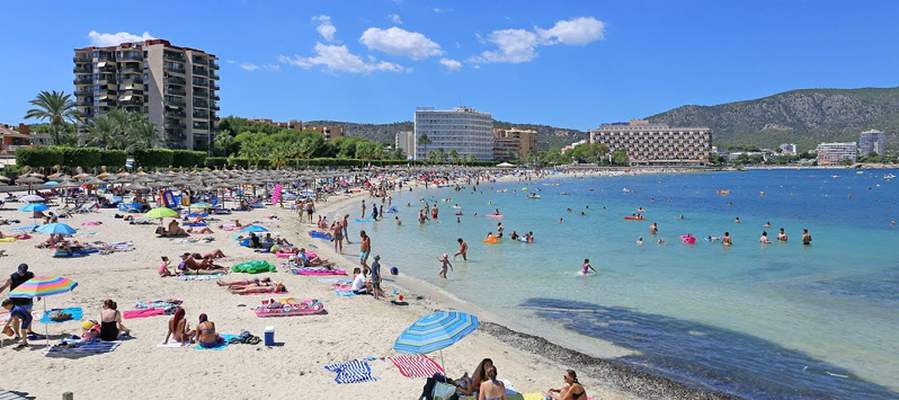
269 336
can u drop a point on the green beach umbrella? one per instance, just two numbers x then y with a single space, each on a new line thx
161 212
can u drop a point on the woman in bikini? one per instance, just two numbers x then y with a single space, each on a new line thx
276 287
178 328
245 282
206 335
571 391
492 389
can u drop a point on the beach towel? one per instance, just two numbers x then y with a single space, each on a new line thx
334 280
226 336
345 293
82 349
76 312
187 278
317 271
364 220
143 313
254 267
355 371
173 345
416 366
310 307
321 235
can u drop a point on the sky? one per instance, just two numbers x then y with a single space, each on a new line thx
572 64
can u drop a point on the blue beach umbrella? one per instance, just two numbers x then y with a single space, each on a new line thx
435 332
253 228
34 207
51 183
56 229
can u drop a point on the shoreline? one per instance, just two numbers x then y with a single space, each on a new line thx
618 376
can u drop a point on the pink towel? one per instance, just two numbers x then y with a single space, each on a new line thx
318 272
417 366
144 313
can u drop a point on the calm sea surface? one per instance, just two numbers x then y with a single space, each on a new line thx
764 322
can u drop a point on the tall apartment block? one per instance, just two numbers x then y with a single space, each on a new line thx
175 86
656 144
837 153
871 142
405 141
467 131
513 143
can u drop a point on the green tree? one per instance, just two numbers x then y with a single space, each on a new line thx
57 109
619 157
454 156
121 130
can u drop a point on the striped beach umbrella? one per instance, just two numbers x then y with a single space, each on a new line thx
43 286
435 332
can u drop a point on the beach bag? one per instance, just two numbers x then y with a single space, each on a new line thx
444 391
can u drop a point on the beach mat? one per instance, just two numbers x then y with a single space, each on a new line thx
76 312
345 293
225 336
355 371
417 366
82 349
318 271
143 313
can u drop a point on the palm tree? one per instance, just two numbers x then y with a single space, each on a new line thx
122 130
141 133
57 108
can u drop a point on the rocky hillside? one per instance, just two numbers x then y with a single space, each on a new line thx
547 136
805 117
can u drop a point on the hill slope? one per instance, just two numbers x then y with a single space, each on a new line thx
547 136
805 117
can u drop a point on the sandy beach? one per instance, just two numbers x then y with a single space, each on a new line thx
354 328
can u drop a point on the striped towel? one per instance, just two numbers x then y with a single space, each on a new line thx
199 277
416 366
11 395
355 371
82 349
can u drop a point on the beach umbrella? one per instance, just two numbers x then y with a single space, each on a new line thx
51 183
31 198
4 178
42 287
29 180
34 207
253 228
56 229
201 205
161 212
436 332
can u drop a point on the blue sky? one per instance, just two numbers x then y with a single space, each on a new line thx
567 63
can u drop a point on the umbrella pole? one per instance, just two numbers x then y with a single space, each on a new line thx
442 362
46 327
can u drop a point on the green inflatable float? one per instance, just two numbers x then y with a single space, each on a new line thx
254 267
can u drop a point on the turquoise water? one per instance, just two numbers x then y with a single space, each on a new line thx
776 321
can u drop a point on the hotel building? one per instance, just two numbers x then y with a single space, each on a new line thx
405 141
836 153
789 149
656 144
467 131
513 144
871 142
175 86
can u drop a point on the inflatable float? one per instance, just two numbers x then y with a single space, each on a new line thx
495 216
688 239
634 217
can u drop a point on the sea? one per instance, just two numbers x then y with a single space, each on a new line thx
776 321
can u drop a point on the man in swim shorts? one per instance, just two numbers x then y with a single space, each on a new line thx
365 250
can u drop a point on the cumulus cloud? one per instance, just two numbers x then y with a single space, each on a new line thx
113 39
256 67
400 42
395 19
325 27
574 32
520 45
337 58
450 64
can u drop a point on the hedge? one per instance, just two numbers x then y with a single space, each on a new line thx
153 158
38 157
188 158
84 157
216 161
113 158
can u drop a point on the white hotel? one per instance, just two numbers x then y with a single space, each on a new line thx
463 129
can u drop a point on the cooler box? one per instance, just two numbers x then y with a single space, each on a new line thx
269 336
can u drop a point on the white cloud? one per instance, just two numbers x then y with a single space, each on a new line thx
337 58
395 19
442 10
574 32
400 42
512 46
325 27
450 64
113 39
255 67
520 45
231 62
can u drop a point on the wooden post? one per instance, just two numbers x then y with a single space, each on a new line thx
68 396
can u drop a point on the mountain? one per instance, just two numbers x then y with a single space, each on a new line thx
547 136
805 117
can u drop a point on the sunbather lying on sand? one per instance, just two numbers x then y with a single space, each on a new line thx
276 287
200 230
243 282
190 263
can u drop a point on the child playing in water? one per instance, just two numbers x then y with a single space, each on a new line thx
444 265
585 269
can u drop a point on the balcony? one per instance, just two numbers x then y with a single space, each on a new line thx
131 71
175 90
81 58
124 56
175 80
175 114
173 101
83 80
197 114
199 60
173 56
202 126
200 71
213 65
201 92
200 81
201 103
175 68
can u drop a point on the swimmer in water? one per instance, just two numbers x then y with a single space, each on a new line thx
463 250
568 209
586 268
653 228
660 242
806 237
561 220
737 220
726 240
782 235
767 225
640 241
514 235
764 239
397 219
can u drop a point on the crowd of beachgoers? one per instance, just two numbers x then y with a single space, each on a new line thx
190 252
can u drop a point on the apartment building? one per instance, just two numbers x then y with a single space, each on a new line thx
330 132
467 131
871 142
788 149
656 144
513 143
175 86
405 141
837 153
292 124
